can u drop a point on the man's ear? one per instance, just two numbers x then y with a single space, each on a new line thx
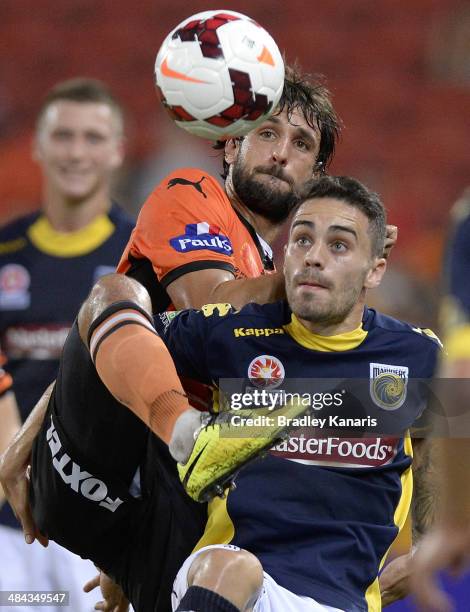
232 147
375 274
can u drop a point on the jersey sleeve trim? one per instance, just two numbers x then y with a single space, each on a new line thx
195 266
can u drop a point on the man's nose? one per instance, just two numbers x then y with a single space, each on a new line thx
280 152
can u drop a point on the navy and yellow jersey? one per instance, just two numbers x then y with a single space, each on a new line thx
44 278
321 512
455 311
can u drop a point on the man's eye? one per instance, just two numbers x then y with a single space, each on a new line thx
303 241
62 136
267 134
95 138
302 145
339 246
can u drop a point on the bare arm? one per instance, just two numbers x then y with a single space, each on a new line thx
108 290
14 465
11 423
425 490
395 579
212 286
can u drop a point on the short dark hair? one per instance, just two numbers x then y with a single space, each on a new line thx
84 91
307 93
358 195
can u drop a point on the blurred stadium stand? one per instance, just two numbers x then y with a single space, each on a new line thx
399 72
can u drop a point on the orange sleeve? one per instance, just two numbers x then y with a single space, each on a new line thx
184 226
5 378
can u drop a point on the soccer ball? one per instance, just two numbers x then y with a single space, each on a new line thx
219 74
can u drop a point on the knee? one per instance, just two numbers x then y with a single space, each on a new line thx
219 566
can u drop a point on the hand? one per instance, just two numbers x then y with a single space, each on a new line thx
14 470
114 598
14 478
391 238
444 547
394 581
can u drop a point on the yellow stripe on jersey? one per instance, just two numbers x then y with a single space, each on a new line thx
457 344
341 342
70 244
373 599
219 527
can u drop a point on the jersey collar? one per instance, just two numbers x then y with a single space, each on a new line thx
263 248
341 342
70 244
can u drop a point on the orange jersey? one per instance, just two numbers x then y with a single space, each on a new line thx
5 378
188 224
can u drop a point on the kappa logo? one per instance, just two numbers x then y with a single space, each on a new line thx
425 331
388 385
183 181
266 371
202 237
241 332
220 309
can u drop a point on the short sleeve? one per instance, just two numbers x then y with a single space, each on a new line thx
184 226
187 335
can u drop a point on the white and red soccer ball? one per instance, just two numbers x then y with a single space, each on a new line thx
219 74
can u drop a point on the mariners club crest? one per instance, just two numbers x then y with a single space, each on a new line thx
388 385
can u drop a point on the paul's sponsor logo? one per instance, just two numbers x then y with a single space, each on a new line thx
202 236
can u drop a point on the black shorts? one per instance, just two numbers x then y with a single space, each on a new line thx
83 486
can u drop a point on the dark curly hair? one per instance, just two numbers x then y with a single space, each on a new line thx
309 94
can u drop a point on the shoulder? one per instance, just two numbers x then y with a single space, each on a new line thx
212 317
13 235
18 227
190 183
419 336
252 319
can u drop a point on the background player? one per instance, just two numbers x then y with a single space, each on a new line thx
447 546
48 262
